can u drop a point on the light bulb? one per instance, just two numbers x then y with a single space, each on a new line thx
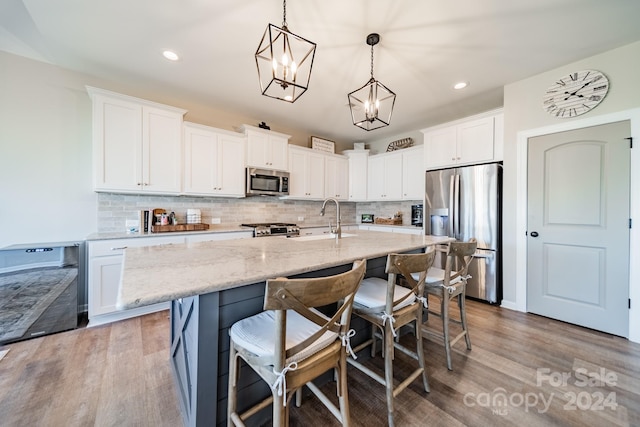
285 60
275 65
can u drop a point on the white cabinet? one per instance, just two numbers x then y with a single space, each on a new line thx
358 167
104 271
306 169
336 177
385 177
137 144
266 149
393 229
413 176
213 162
467 141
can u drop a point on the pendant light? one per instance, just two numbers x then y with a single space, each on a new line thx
284 62
372 105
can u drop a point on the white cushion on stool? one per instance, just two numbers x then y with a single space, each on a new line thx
257 334
373 294
435 275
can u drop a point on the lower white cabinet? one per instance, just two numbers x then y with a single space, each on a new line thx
393 229
105 259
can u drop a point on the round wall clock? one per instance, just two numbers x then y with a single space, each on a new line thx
575 94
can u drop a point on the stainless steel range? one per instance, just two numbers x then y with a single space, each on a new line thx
266 229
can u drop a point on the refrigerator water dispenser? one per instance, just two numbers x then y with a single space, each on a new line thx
439 222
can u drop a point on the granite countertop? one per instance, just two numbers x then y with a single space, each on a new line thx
166 272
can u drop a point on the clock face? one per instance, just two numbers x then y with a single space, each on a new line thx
575 94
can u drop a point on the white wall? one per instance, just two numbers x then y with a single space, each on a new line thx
523 115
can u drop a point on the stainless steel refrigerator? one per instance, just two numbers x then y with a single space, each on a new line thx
465 202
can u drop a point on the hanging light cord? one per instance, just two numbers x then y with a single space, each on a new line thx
284 13
371 62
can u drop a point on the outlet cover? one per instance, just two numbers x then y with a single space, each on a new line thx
300 218
215 220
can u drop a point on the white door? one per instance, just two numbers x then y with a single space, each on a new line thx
578 227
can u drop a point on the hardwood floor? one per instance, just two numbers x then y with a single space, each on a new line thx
119 375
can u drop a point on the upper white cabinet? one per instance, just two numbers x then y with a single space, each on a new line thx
358 167
385 176
306 169
137 144
413 176
266 149
213 161
336 177
477 139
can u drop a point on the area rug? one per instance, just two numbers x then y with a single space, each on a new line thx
25 295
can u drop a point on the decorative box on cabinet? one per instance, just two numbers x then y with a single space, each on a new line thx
306 169
137 144
213 161
266 149
358 167
472 140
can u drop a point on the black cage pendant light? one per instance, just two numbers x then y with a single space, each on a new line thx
372 104
284 62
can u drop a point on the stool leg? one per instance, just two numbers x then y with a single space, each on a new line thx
445 327
233 381
343 396
388 369
463 319
420 351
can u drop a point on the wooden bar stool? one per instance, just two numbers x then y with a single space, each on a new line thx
292 343
389 306
448 284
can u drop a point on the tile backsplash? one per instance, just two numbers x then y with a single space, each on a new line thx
115 209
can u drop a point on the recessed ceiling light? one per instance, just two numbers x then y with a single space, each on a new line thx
171 56
460 85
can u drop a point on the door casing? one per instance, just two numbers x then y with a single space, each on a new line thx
633 116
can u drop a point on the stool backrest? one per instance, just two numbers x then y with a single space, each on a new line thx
459 256
405 264
302 295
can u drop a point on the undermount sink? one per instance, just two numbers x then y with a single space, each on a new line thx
318 237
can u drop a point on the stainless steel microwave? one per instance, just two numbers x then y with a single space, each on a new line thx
266 182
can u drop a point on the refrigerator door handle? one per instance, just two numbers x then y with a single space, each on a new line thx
452 212
483 255
456 206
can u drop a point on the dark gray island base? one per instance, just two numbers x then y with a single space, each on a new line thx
211 285
200 348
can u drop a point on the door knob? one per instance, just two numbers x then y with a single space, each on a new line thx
534 234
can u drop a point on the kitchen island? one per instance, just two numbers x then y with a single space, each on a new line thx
211 285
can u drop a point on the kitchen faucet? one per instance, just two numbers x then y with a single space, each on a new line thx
338 229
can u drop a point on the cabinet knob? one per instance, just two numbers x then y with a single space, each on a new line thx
139 183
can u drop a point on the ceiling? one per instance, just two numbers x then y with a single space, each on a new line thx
426 46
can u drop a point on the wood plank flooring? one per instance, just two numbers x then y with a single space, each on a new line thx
119 375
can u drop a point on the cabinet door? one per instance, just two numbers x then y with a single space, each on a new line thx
440 148
267 151
375 188
200 161
117 144
306 171
230 166
475 141
162 151
105 278
278 152
413 176
358 167
336 177
393 176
